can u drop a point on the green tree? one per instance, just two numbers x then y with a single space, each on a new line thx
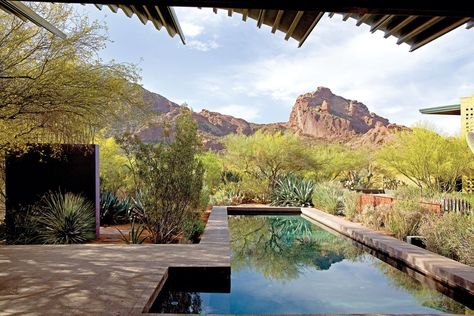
169 180
337 161
265 156
55 90
212 164
115 171
427 159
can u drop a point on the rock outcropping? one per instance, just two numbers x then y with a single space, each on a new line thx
323 114
319 114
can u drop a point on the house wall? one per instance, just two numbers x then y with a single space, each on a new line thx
467 125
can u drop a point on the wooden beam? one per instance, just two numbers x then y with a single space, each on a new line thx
294 24
261 16
383 20
331 14
310 29
362 19
214 10
276 23
113 8
454 8
441 32
126 9
419 29
141 16
245 14
399 26
229 12
346 16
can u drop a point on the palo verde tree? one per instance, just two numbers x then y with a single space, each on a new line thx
58 90
266 156
429 160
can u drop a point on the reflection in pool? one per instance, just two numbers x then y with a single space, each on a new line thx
287 265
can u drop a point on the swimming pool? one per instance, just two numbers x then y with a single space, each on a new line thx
287 265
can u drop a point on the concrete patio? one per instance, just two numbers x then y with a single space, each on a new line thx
100 279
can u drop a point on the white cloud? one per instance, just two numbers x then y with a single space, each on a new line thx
191 29
203 46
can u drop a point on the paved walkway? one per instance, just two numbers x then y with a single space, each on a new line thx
96 279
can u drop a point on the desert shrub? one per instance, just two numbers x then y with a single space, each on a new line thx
205 198
291 190
21 229
374 217
193 228
169 180
451 235
327 196
114 210
404 218
350 200
227 196
64 219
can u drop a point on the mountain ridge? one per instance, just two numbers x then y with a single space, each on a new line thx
320 115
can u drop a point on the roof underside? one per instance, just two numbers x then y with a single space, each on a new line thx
415 31
411 23
454 109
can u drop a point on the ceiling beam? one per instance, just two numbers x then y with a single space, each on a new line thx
310 29
276 23
383 20
362 19
24 12
441 32
294 24
454 8
406 37
399 26
245 14
261 16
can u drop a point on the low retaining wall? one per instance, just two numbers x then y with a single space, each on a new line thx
383 199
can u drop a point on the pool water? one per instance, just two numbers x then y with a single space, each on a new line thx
287 265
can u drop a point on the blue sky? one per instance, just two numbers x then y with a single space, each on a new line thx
232 67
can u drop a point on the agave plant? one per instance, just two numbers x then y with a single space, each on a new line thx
114 210
292 190
64 219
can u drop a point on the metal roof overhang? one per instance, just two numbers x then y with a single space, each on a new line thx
414 23
454 109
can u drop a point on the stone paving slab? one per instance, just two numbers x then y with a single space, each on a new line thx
100 279
440 268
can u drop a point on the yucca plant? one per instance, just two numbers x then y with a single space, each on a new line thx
292 190
64 219
134 235
114 210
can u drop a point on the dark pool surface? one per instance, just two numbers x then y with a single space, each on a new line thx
287 265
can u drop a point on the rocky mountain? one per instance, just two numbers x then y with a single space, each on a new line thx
320 115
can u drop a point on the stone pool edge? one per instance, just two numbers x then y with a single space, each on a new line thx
445 270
